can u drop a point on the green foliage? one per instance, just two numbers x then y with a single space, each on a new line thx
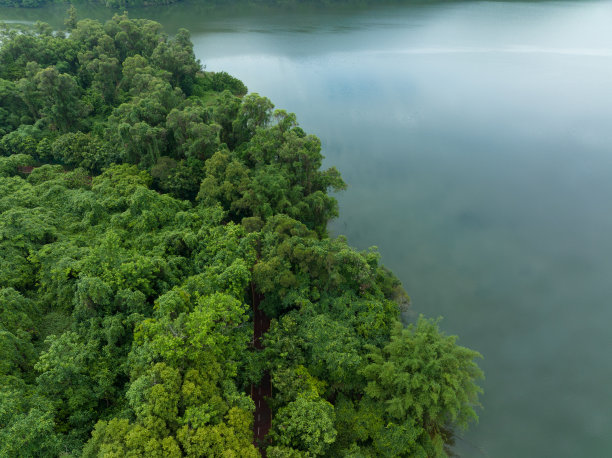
115 4
305 424
17 333
219 82
9 166
254 112
144 206
80 150
23 141
177 57
426 384
276 171
58 97
11 108
27 429
192 132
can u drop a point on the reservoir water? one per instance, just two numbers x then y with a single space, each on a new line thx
476 139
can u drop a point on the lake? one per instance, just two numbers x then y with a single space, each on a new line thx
476 139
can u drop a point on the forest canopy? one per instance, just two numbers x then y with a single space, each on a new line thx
211 3
149 210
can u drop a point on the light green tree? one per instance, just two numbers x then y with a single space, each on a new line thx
427 384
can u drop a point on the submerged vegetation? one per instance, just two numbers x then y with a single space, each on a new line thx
146 209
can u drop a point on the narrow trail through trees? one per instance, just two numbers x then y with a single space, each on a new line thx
259 393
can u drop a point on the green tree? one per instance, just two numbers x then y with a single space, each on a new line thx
27 428
254 112
426 383
177 57
60 98
306 424
77 149
193 134
71 21
11 108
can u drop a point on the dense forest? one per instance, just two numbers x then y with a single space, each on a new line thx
212 3
148 212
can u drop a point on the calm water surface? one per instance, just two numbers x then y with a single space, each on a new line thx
476 138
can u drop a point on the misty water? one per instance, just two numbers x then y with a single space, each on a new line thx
476 139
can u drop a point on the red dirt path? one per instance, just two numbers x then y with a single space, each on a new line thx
26 169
